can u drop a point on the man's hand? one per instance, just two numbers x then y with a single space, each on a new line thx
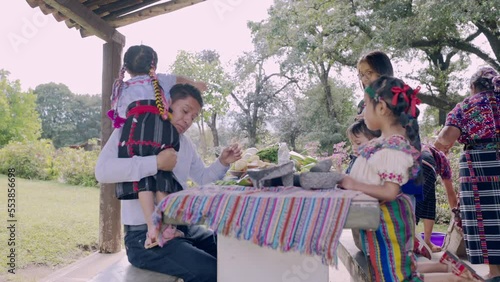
230 154
166 159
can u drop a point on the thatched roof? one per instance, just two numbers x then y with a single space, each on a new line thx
102 17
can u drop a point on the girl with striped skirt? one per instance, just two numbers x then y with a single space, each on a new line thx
383 166
475 122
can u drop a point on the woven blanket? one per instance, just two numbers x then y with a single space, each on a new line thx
283 218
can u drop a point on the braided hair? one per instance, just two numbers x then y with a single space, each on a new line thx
139 60
402 100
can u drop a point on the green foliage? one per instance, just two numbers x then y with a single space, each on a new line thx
205 66
269 154
31 159
67 118
311 38
258 94
18 119
314 118
76 166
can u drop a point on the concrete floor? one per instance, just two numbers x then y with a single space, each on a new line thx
116 268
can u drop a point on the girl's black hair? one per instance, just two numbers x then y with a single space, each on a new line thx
382 88
139 59
379 62
182 91
359 128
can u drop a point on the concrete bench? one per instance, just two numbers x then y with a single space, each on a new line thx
123 271
99 267
353 259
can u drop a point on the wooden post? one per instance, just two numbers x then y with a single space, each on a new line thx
109 207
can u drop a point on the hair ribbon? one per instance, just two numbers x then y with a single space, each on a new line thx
414 101
397 91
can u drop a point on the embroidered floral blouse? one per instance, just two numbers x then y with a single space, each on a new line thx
386 159
475 117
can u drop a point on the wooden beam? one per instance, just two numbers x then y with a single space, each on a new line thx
109 8
89 21
118 13
98 2
152 11
109 205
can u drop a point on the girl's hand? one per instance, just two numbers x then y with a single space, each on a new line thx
230 154
166 159
348 183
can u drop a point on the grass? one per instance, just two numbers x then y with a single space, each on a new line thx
56 223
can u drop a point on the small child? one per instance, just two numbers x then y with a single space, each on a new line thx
358 135
384 164
142 108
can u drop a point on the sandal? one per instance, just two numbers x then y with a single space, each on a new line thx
457 267
493 279
421 248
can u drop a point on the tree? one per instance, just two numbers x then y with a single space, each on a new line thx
257 93
67 119
309 38
441 29
320 34
19 120
206 66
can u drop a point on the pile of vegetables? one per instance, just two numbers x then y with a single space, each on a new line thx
267 157
269 154
302 163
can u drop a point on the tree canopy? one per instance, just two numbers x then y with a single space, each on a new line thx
19 121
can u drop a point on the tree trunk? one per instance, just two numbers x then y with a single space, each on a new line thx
203 138
442 116
328 95
252 134
213 128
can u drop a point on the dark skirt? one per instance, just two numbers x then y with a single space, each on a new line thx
480 205
145 133
426 209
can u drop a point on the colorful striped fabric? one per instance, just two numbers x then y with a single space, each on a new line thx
284 218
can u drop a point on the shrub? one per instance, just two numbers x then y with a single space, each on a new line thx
76 166
30 159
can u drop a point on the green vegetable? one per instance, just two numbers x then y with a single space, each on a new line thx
269 154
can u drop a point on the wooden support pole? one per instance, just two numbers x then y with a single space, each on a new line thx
109 207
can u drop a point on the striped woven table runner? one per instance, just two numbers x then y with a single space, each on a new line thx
283 218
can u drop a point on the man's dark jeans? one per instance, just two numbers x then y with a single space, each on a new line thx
192 258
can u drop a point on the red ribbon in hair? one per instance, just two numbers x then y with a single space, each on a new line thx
413 101
398 90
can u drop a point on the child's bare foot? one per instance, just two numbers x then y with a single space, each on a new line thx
434 248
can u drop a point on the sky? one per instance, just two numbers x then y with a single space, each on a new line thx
37 49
